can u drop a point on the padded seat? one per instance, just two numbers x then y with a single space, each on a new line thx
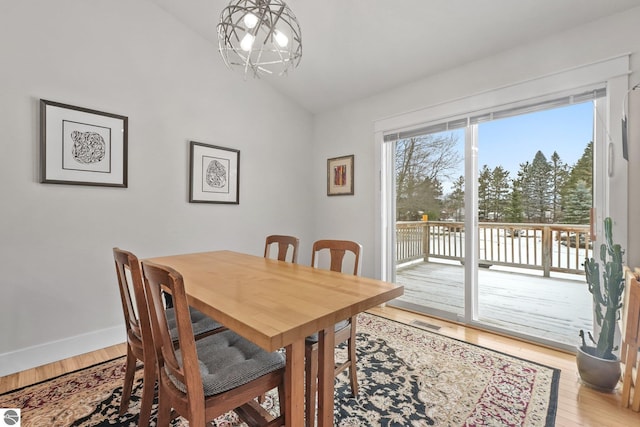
226 361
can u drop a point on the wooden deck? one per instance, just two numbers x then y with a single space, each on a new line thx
553 309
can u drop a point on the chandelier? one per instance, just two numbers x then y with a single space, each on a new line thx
259 37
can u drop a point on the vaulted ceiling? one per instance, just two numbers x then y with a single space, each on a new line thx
353 49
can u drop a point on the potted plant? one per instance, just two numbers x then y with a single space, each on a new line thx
597 365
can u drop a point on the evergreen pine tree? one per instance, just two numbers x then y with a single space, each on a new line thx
538 188
578 204
484 183
559 174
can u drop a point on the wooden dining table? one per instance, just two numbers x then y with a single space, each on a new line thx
277 304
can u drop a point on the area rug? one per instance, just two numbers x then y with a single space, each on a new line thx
408 377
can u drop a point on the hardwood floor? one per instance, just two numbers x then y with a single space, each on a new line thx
578 405
52 370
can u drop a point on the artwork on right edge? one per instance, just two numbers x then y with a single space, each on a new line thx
340 176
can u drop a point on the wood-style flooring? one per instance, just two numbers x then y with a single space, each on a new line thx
578 405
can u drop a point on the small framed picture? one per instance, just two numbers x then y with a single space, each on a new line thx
214 175
340 176
82 146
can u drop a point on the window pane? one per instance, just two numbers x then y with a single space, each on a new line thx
534 198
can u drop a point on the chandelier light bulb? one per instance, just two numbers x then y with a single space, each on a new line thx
250 20
281 38
247 42
259 37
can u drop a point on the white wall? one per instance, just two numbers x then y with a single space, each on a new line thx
349 130
59 294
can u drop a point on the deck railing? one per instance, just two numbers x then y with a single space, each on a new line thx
546 247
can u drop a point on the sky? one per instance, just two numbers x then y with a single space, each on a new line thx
511 141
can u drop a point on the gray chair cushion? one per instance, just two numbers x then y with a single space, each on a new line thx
226 361
200 322
339 326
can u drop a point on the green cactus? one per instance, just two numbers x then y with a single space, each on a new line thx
608 295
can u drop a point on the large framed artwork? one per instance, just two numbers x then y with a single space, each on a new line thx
82 146
214 175
340 176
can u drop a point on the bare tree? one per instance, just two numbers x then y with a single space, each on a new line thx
422 164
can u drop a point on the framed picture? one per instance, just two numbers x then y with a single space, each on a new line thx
214 175
340 176
82 146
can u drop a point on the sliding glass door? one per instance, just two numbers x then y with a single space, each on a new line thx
429 221
535 194
506 251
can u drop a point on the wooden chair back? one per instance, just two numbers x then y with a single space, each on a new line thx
132 295
337 250
630 329
160 279
284 244
139 332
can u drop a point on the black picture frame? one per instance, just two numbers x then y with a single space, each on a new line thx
80 146
214 174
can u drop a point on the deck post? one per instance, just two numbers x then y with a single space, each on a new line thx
546 251
425 242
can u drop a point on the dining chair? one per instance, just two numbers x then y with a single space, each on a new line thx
630 331
208 378
139 335
345 331
285 243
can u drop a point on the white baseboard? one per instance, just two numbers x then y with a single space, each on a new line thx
53 351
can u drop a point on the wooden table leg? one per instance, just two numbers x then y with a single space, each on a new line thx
326 362
294 384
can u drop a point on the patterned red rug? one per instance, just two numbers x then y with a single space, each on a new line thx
407 376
